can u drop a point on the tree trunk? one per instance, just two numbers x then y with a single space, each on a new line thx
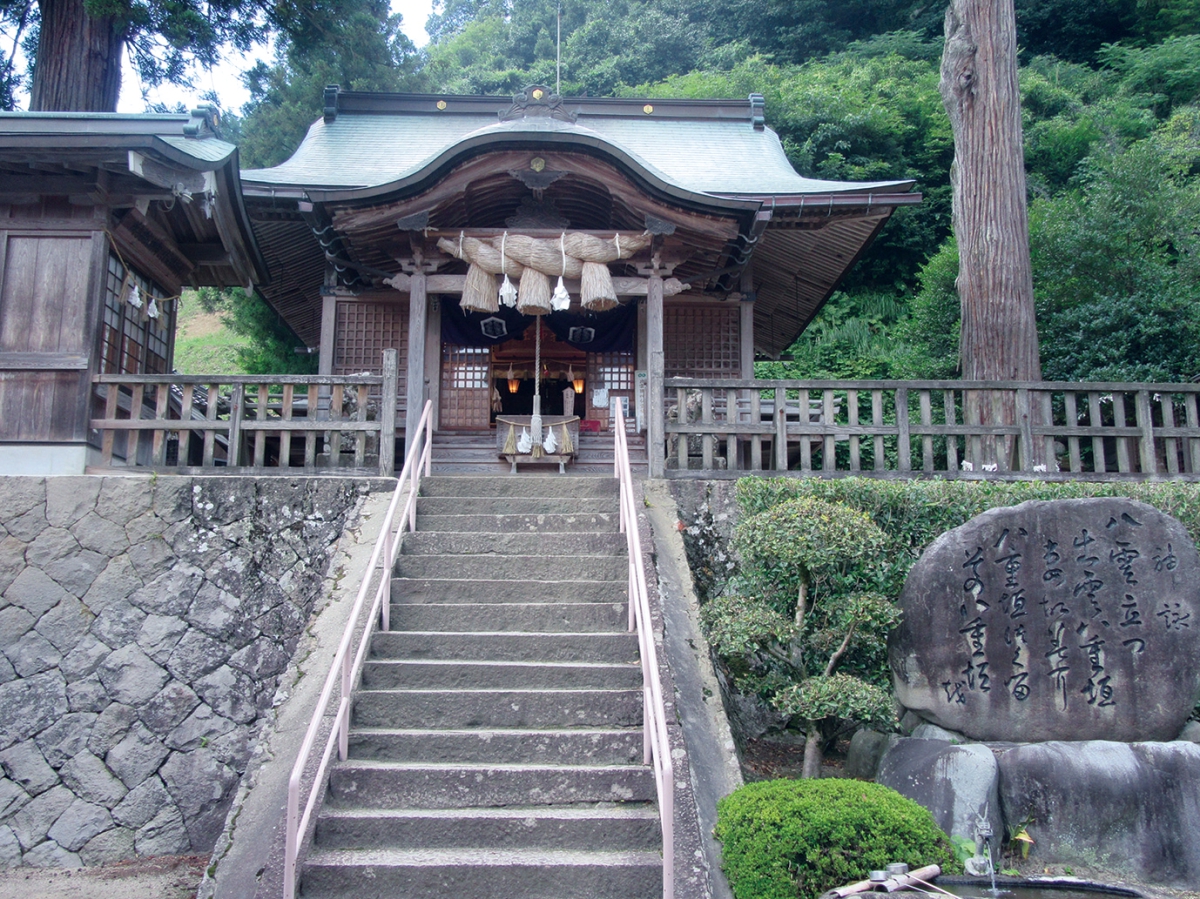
995 283
814 751
78 67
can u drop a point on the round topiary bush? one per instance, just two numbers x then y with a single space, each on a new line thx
798 838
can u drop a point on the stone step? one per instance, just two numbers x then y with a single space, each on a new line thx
497 708
599 828
505 647
432 506
485 590
534 617
482 874
519 543
544 746
606 522
372 784
522 485
522 568
437 674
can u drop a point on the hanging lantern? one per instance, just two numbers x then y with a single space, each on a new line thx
576 383
514 383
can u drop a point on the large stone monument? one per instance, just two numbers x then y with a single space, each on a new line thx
1066 635
1066 620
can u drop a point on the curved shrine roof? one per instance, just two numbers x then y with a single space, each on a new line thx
718 148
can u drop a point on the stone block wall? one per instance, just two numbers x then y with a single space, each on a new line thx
144 626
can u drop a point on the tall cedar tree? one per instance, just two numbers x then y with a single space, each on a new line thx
990 218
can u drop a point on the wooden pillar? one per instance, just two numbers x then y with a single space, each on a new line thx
747 322
328 333
656 366
417 302
433 356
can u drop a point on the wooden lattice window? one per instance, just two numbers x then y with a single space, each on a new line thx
364 331
702 341
466 393
132 342
613 371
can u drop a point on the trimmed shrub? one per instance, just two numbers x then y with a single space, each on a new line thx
784 839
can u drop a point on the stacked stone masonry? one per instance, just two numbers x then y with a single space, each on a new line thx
144 626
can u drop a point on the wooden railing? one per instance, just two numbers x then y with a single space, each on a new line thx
953 429
248 424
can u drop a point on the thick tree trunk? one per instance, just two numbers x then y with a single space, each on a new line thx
995 283
78 66
814 751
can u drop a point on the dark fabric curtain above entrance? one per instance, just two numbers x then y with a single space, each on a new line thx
605 332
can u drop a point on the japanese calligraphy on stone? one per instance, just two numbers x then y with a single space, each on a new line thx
1066 620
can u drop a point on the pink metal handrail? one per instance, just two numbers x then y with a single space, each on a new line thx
347 667
656 747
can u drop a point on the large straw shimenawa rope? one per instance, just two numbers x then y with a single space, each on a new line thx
533 260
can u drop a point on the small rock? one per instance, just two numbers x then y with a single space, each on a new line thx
151 557
12 798
68 500
33 654
89 779
232 694
35 592
66 737
136 757
32 822
100 535
866 751
15 622
26 527
87 695
142 803
195 655
66 624
111 727
51 545
956 783
10 848
169 707
85 658
1190 732
131 676
51 855
159 634
115 845
215 611
124 499
25 764
929 731
115 583
171 593
262 659
201 727
78 824
12 560
164 834
30 705
118 624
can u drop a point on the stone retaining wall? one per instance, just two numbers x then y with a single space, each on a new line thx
144 626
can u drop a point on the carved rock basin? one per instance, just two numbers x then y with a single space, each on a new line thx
1063 620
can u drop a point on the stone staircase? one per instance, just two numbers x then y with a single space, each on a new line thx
496 742
474 452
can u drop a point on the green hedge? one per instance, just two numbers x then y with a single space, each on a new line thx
784 839
914 513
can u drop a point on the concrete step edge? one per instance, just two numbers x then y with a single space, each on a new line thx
637 811
472 857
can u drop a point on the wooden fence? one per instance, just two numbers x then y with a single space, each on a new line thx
248 424
951 429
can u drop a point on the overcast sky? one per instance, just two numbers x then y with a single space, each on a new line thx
224 80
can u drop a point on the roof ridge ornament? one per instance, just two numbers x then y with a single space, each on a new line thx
758 112
537 101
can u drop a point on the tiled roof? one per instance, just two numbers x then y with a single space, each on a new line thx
704 152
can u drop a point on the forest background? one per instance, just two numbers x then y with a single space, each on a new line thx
1111 100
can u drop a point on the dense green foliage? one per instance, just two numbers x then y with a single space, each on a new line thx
271 347
783 839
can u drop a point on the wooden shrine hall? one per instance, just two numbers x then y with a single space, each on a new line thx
685 242
564 253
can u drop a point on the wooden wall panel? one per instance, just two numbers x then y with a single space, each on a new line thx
42 406
44 295
363 332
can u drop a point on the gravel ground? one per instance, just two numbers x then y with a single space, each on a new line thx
167 877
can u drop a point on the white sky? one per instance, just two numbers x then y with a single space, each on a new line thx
225 79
